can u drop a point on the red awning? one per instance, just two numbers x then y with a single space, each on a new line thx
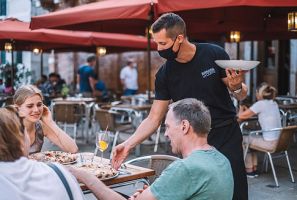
103 16
46 39
257 19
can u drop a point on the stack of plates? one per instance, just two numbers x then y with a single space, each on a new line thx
237 64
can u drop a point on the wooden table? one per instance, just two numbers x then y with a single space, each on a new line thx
288 106
129 107
133 173
74 99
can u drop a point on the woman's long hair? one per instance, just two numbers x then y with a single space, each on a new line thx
11 134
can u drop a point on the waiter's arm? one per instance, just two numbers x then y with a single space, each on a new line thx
145 129
150 124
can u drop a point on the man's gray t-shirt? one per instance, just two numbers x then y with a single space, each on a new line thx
205 174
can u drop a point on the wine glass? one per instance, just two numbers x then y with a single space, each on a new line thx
102 141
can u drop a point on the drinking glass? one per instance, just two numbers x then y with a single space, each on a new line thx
102 141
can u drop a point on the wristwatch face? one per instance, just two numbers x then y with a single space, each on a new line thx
237 91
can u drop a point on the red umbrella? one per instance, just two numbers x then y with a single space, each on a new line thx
125 16
47 39
256 19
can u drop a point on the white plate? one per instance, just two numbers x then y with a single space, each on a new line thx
237 64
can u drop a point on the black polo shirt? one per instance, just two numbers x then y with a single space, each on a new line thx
200 78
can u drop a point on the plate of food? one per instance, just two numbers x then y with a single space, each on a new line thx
103 172
55 156
237 64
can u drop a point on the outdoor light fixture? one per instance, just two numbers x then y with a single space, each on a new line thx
150 31
292 21
235 36
37 51
8 47
101 51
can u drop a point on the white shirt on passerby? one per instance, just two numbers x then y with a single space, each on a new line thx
268 117
26 179
129 76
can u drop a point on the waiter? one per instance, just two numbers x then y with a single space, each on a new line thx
190 72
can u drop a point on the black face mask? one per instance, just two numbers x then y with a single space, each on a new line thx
169 54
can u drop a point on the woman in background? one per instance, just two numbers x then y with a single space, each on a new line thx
269 118
38 120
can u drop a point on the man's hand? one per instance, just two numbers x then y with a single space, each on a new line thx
79 174
235 78
138 192
119 154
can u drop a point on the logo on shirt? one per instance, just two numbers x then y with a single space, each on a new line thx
208 72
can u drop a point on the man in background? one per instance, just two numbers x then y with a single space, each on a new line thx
129 77
86 77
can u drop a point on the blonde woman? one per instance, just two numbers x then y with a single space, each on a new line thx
38 121
21 178
269 118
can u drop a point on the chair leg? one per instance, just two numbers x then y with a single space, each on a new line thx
273 170
65 127
137 150
265 164
114 143
245 151
289 165
157 139
75 132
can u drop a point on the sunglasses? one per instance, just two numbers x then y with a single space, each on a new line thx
15 110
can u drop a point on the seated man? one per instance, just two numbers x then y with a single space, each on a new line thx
101 91
203 173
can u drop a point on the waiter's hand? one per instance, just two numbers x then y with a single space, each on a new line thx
119 154
235 78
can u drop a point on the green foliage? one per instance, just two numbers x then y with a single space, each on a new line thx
20 74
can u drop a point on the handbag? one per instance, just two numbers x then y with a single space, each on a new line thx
62 178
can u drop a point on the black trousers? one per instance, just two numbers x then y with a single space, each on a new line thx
228 140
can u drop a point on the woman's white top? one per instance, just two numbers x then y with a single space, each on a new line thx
26 179
268 117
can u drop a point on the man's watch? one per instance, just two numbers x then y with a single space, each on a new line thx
238 90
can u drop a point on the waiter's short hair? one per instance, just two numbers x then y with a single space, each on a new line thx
172 23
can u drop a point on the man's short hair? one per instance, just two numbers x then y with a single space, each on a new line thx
195 112
52 75
130 61
91 58
172 23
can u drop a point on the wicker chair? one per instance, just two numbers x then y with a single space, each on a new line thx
155 162
106 119
68 114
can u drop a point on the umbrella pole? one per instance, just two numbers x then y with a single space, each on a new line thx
12 69
149 64
150 21
41 64
237 50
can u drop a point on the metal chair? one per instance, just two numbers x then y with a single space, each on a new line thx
156 162
286 136
68 114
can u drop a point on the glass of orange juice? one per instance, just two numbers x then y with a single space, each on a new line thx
102 141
